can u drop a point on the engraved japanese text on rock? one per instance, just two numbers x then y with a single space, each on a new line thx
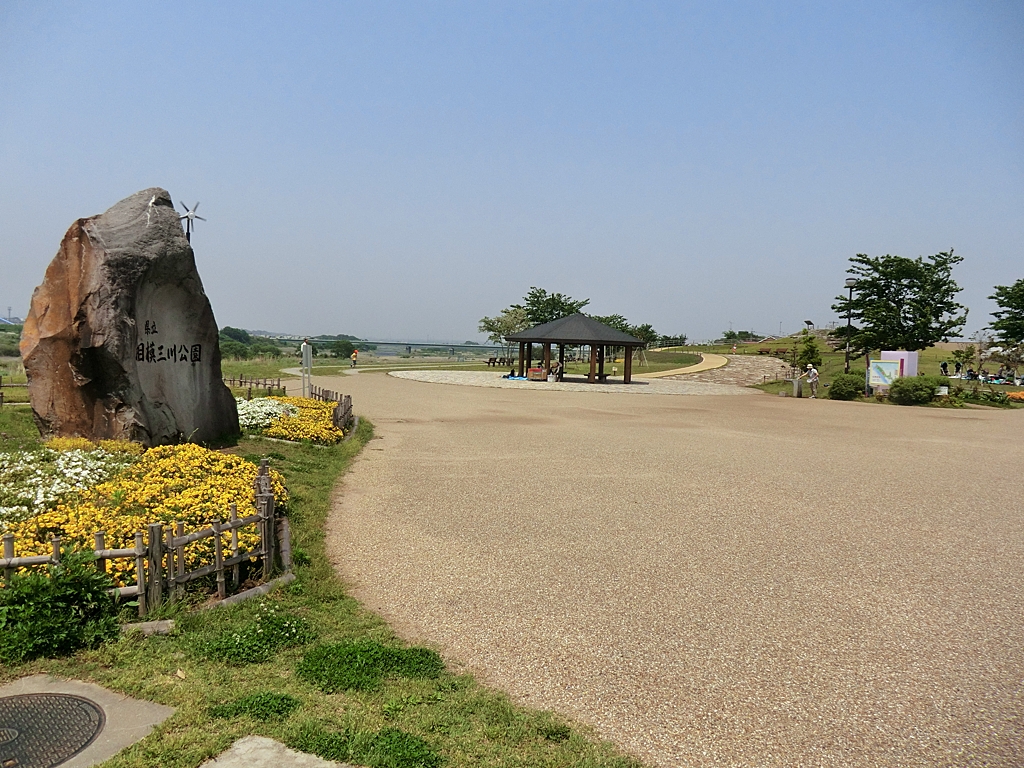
120 341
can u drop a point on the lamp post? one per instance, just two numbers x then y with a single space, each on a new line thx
851 283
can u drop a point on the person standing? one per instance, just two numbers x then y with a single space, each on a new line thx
812 378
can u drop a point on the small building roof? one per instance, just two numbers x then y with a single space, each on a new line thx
576 329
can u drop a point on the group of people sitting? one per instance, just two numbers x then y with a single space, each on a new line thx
1002 376
555 371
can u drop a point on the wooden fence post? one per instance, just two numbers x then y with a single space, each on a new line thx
8 554
155 564
169 562
284 543
99 543
218 550
55 545
179 557
140 572
234 546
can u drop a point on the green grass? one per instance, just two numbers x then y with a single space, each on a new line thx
417 713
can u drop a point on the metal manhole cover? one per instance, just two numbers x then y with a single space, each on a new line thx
43 730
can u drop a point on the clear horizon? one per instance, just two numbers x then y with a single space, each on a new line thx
401 172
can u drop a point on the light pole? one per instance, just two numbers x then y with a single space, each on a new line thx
851 283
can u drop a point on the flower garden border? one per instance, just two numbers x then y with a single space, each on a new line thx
159 554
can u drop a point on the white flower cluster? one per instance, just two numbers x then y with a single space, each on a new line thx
34 481
261 412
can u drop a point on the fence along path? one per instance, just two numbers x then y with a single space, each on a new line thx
159 555
342 415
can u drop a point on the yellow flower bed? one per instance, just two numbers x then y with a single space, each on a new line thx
84 444
184 483
312 422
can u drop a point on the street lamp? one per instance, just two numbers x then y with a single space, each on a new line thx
851 283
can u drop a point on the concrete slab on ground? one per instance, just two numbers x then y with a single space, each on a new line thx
128 720
261 752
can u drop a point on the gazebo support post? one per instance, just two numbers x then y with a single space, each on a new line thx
547 359
627 372
529 355
522 355
600 363
593 364
561 360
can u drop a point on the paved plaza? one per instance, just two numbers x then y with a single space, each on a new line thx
705 580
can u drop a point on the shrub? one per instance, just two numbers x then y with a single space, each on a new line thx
359 665
259 706
258 640
846 386
56 613
388 748
916 390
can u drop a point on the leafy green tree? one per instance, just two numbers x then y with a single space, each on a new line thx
730 335
236 334
498 328
902 303
645 333
809 351
235 349
262 348
1009 319
342 348
543 307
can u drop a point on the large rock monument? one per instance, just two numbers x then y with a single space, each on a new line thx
120 341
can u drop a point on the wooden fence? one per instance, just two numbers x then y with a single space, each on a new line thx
342 415
270 386
159 555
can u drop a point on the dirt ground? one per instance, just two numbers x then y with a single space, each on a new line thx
707 581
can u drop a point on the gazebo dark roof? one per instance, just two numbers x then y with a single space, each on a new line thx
576 329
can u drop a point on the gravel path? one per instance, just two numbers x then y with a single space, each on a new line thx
681 386
707 581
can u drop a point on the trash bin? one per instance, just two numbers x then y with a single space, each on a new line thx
798 387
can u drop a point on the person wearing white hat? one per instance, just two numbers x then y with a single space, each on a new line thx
812 378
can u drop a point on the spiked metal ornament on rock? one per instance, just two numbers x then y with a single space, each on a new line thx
189 219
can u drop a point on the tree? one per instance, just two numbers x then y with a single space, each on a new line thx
235 349
237 334
809 352
264 349
645 333
902 303
543 307
342 348
1009 319
511 320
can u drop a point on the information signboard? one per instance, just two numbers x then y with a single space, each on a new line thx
882 373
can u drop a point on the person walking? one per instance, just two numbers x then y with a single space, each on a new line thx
812 378
354 356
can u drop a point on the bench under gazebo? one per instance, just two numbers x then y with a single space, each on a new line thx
575 330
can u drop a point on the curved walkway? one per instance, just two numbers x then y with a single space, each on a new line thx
707 581
707 362
495 381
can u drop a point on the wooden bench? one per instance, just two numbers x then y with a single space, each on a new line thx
764 351
492 362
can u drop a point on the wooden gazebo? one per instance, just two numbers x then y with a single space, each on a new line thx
575 330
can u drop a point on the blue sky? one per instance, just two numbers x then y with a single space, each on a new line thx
400 170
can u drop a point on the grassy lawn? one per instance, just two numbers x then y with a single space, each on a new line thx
427 714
